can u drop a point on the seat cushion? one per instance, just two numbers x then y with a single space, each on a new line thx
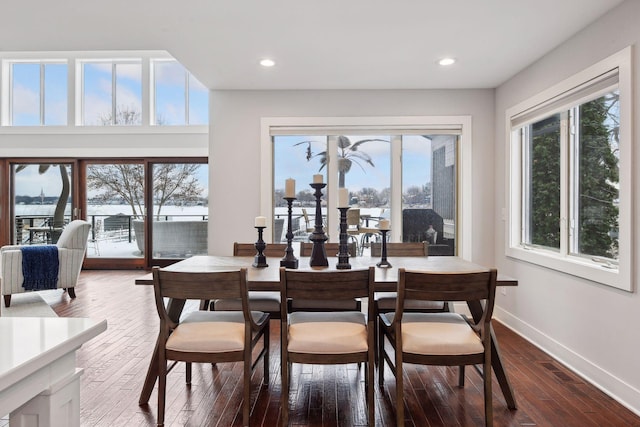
210 332
207 337
327 333
438 334
386 301
260 301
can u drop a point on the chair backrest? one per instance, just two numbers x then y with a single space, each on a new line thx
306 217
249 249
327 285
472 286
401 249
74 235
331 249
353 218
210 285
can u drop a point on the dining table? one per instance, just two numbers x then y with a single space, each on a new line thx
267 278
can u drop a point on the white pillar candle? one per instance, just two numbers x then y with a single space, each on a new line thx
343 198
383 224
317 178
290 188
261 221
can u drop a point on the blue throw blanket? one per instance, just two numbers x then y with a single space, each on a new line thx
40 267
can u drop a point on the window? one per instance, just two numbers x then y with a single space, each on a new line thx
407 174
570 197
180 99
112 93
38 94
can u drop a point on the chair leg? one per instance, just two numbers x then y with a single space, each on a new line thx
284 398
399 390
371 406
488 401
381 353
266 340
461 376
246 393
72 292
162 389
188 373
7 300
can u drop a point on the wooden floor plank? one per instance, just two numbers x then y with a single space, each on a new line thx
115 364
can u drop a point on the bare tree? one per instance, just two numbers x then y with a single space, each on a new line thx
172 182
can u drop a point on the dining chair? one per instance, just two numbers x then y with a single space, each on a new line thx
206 336
268 302
327 337
444 339
356 227
331 249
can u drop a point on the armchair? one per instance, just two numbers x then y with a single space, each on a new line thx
71 248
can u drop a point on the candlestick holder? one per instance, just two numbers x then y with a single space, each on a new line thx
260 260
343 254
318 237
383 259
289 260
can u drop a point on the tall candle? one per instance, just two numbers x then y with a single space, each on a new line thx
261 221
290 188
343 197
383 224
317 178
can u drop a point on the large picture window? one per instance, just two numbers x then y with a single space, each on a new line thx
568 156
407 175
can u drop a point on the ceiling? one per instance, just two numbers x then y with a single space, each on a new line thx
317 44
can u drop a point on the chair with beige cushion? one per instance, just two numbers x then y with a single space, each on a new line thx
327 337
209 336
71 248
268 302
444 339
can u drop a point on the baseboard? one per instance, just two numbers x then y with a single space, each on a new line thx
608 383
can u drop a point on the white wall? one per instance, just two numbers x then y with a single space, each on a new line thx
235 148
593 328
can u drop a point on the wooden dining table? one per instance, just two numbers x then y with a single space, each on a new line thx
268 279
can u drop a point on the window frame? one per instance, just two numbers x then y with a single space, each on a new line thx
385 125
8 105
113 62
188 77
590 268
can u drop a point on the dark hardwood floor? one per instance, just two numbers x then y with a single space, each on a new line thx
116 361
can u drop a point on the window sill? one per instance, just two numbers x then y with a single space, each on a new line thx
575 266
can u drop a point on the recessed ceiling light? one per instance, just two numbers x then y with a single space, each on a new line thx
267 63
447 61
